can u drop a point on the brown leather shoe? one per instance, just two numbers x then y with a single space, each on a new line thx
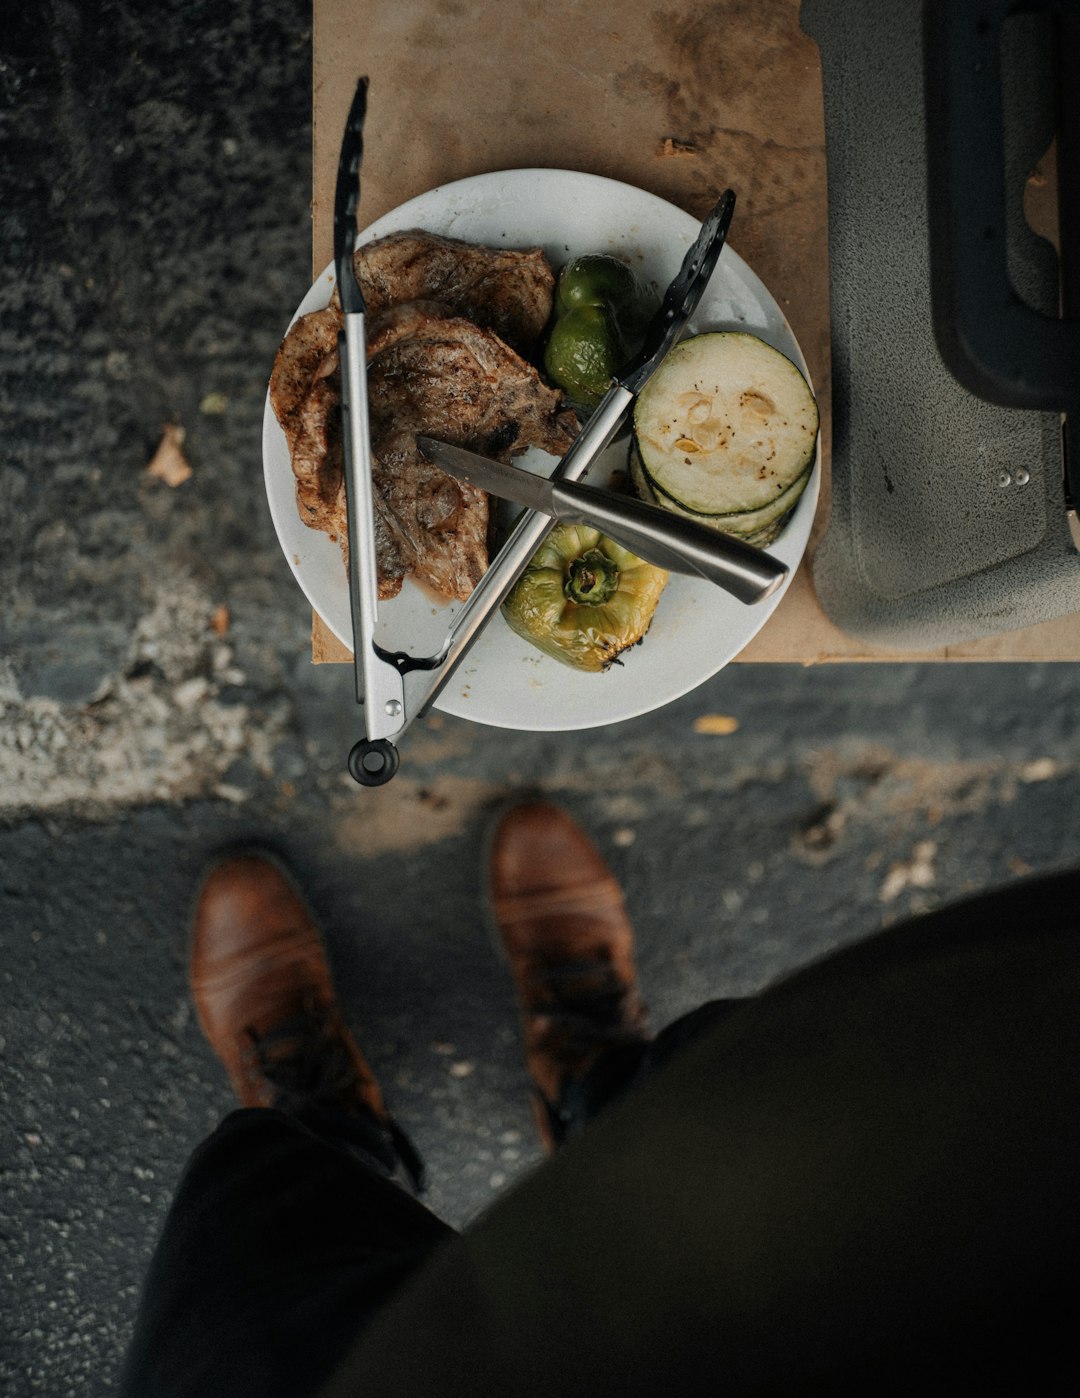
261 984
560 914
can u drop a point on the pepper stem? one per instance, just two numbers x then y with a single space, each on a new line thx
592 578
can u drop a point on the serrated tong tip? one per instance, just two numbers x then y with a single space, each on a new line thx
347 201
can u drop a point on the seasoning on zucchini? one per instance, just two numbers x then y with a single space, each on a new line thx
725 432
584 599
601 311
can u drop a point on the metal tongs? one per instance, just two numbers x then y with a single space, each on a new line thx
379 682
395 688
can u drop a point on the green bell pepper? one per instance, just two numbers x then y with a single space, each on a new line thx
584 599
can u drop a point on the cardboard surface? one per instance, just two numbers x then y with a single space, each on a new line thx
681 100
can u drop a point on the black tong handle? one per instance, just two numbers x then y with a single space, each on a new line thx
347 200
682 296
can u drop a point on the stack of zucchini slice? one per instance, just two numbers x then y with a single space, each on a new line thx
725 432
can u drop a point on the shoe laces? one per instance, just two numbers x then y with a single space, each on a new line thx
306 1060
587 1001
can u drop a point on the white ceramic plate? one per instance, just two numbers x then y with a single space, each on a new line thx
697 629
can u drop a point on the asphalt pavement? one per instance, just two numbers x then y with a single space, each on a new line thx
157 700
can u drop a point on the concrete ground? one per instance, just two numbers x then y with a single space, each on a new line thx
157 700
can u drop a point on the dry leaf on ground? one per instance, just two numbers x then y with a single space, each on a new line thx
169 464
721 724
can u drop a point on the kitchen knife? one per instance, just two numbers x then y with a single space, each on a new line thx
656 535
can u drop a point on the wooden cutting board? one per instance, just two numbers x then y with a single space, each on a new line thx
681 99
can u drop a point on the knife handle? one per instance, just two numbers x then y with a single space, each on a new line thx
670 541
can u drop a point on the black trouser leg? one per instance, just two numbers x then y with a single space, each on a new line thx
620 1069
279 1245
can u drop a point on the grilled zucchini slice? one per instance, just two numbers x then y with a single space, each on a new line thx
727 426
746 524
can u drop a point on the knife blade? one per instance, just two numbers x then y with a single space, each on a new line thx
659 537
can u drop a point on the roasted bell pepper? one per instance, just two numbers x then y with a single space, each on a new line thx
584 599
601 311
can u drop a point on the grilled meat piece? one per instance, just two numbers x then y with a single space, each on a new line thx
430 369
448 377
500 289
305 390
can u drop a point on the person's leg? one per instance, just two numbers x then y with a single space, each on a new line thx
290 1226
277 1248
612 1076
560 916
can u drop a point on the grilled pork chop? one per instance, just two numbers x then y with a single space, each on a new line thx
500 289
305 390
446 376
429 370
